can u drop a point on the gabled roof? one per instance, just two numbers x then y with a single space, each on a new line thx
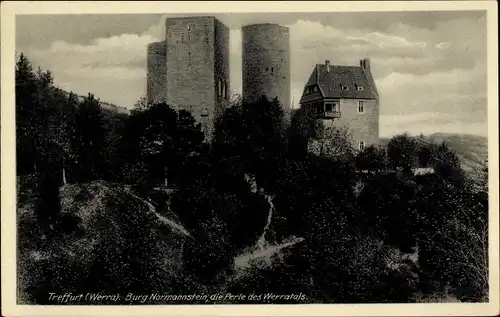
330 83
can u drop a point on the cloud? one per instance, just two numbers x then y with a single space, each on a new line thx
443 45
113 62
459 91
429 67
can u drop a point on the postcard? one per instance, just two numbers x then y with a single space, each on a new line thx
250 158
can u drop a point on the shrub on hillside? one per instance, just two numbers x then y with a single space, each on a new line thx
401 151
372 158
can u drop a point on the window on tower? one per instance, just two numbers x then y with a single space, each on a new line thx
226 91
361 145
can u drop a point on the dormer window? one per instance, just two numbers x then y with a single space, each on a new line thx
360 88
310 90
345 88
204 112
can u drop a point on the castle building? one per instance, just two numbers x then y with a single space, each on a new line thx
156 72
266 63
344 97
197 67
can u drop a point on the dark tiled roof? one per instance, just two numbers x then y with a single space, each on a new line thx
331 82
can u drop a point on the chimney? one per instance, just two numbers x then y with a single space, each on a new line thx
317 73
365 63
327 64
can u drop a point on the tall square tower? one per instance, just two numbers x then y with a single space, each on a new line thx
155 85
197 70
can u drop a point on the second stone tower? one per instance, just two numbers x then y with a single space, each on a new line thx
266 62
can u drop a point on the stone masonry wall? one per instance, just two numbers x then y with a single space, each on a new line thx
197 56
156 72
266 62
361 126
221 71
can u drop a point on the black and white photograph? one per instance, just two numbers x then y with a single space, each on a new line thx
217 156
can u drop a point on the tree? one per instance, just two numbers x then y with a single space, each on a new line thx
401 151
189 137
389 211
447 164
372 158
63 131
425 154
89 140
250 137
140 105
159 141
300 131
453 240
333 142
27 123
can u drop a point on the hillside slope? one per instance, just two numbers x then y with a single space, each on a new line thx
472 150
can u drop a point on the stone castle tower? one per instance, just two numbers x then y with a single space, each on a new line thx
266 62
196 72
156 72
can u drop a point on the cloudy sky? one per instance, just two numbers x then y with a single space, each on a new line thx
429 67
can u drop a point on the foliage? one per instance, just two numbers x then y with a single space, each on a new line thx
372 158
88 142
401 151
157 141
384 236
301 129
250 137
